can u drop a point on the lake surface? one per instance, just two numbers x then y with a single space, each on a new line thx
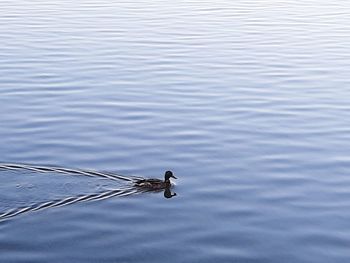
247 102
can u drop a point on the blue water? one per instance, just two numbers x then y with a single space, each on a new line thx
246 101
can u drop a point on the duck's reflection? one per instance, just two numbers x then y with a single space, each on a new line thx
168 193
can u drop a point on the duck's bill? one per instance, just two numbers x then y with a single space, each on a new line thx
173 176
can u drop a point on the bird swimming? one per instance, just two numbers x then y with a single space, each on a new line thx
156 184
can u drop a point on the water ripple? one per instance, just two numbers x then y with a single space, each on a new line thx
246 101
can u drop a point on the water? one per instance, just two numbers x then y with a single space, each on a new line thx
246 101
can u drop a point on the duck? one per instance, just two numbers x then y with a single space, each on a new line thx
156 184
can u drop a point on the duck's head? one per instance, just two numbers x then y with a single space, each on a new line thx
167 175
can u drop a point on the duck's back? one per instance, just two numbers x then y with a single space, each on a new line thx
150 183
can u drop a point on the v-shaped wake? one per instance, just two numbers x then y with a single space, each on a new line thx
128 190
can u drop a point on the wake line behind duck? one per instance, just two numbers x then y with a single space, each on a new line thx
67 201
47 169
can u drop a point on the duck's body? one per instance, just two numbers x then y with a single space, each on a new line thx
152 184
156 184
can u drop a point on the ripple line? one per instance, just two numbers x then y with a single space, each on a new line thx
46 169
68 201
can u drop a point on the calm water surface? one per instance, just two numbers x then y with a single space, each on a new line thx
246 101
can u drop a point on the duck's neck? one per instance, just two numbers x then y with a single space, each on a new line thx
167 182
